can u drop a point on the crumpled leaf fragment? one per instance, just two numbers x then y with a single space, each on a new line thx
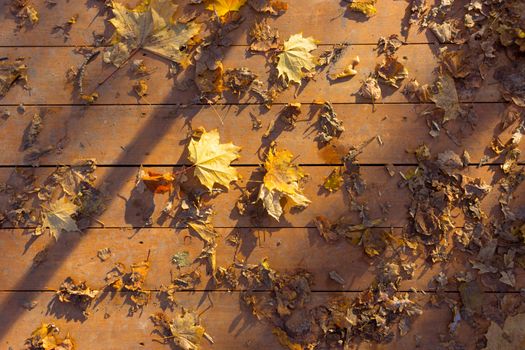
58 217
334 181
510 337
389 45
141 88
46 337
25 12
329 125
205 230
149 26
370 89
223 7
447 98
296 60
76 293
212 159
157 182
366 7
391 71
281 181
131 281
11 72
272 7
239 80
263 37
184 331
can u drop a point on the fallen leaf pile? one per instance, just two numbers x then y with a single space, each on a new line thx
444 227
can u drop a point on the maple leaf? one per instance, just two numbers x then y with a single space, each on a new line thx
58 217
281 181
149 26
223 7
296 58
212 159
272 7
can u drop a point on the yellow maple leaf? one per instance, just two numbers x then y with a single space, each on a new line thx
149 26
58 217
281 181
212 159
296 58
223 7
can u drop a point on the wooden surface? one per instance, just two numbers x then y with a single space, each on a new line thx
122 132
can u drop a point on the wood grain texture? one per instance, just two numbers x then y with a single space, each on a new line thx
383 196
327 21
48 83
230 325
75 255
153 135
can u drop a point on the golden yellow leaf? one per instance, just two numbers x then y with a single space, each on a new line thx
366 7
334 181
296 58
212 159
149 26
223 7
281 181
46 337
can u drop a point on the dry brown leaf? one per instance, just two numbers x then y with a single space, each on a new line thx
391 71
446 98
10 73
272 7
510 337
263 37
58 217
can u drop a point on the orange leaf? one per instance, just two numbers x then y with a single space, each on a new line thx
158 183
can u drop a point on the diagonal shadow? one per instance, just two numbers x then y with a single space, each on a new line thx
117 177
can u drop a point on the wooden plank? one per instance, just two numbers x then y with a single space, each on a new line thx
158 135
126 208
48 83
75 255
230 325
325 20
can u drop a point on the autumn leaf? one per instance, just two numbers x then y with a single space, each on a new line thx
58 217
391 71
281 181
366 7
184 331
446 98
510 337
156 182
296 58
223 7
272 7
149 26
335 180
10 72
212 159
46 337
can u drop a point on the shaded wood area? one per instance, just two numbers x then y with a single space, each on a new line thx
124 133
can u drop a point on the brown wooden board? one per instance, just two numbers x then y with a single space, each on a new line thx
230 324
75 255
325 20
383 196
133 135
48 83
